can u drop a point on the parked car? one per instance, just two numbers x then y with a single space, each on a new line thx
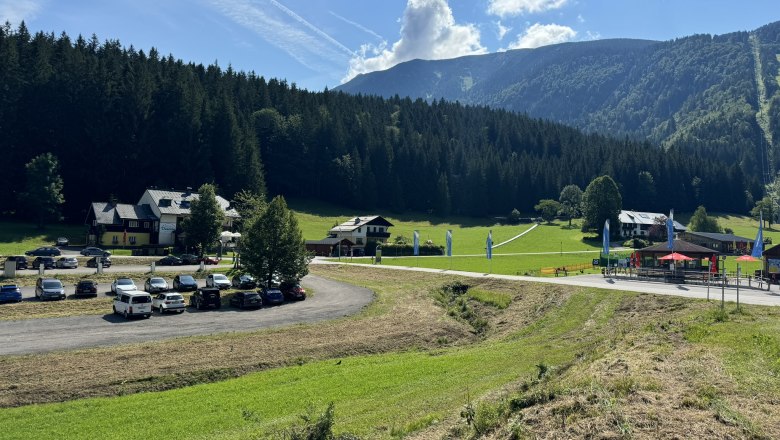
123 285
155 284
94 252
86 288
217 280
21 261
67 263
271 296
206 297
133 304
10 293
46 262
208 260
183 283
92 262
169 302
170 260
62 241
246 299
292 291
188 259
45 251
49 288
244 281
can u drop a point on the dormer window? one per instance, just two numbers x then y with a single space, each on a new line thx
165 203
185 204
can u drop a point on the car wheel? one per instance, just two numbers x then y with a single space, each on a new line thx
197 305
148 316
126 315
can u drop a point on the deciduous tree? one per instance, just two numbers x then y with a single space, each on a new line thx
204 224
548 209
44 188
601 201
571 201
701 222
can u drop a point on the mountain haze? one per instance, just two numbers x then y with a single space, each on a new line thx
700 93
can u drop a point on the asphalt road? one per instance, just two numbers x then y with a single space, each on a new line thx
333 300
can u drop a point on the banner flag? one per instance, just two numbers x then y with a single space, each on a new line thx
448 240
489 245
416 243
669 233
758 245
605 239
713 264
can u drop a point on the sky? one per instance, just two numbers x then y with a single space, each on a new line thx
323 43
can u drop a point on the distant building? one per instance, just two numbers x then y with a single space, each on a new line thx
329 247
637 224
723 243
361 229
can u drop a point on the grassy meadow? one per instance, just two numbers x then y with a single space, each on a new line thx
16 238
537 361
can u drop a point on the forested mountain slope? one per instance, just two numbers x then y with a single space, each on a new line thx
698 94
120 119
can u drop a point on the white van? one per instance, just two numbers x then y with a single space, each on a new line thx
133 303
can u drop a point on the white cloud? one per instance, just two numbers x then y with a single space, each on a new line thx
502 30
283 28
15 11
542 35
428 31
508 8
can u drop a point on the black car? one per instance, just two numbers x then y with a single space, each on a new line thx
21 262
86 288
271 296
46 262
292 291
188 259
92 262
246 300
45 251
183 283
243 282
206 297
94 252
170 260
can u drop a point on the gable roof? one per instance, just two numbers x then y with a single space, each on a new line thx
332 241
180 200
108 214
357 222
645 218
679 246
721 237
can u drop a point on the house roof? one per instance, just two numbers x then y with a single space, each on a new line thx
645 218
721 237
110 214
332 241
357 222
679 246
180 202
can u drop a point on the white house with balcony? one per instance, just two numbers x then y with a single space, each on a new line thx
638 224
360 230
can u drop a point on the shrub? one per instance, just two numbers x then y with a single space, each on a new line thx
316 427
392 249
636 243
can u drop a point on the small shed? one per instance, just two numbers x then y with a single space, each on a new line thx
723 243
328 247
650 256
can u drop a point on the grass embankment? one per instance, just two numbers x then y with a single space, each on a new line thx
554 362
16 238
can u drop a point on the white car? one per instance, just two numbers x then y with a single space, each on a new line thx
217 280
67 263
123 285
130 304
155 284
62 241
169 302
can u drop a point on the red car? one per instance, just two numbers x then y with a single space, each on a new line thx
292 291
209 260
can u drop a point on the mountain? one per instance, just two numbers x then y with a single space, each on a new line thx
699 94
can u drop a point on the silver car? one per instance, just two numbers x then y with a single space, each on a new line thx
49 288
123 285
169 302
155 284
67 263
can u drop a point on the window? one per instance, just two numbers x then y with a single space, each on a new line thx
94 222
185 204
359 240
132 239
133 224
146 225
114 239
359 229
165 203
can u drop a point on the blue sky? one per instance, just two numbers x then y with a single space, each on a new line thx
319 43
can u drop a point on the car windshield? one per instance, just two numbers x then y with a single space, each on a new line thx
220 277
157 281
187 279
124 282
86 283
52 285
174 297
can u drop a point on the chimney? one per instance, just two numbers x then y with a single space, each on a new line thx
357 220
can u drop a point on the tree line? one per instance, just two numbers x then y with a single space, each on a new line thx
120 120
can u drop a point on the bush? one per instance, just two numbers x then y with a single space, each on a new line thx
636 243
316 427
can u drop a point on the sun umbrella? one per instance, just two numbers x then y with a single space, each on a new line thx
747 258
676 256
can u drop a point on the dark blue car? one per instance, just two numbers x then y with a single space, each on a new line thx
271 296
10 293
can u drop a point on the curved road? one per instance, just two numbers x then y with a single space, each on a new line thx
333 300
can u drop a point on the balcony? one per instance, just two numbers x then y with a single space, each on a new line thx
384 235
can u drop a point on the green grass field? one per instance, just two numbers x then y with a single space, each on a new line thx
16 238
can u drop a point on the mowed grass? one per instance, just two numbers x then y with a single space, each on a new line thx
373 395
16 238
